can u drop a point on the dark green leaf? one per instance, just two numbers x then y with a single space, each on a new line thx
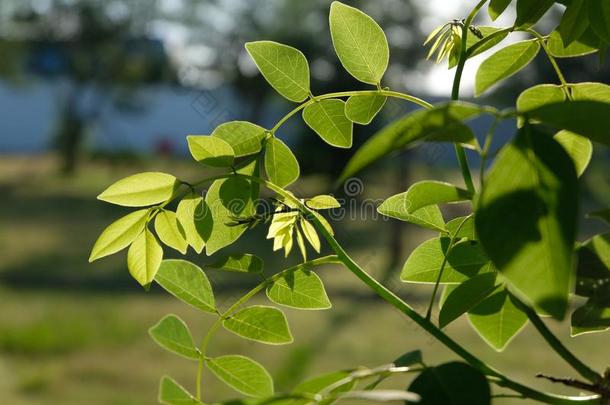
593 272
466 296
497 7
530 11
599 17
590 317
187 282
603 215
172 334
452 383
408 359
526 218
578 147
575 21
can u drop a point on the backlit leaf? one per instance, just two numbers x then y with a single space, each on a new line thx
466 260
195 217
425 193
242 374
170 231
359 42
172 334
300 289
531 196
497 320
574 22
327 118
505 63
466 296
241 263
578 147
362 109
119 234
285 68
144 258
187 282
587 43
172 393
281 166
244 137
260 323
428 217
461 227
497 7
540 95
310 234
323 202
210 150
140 190
530 11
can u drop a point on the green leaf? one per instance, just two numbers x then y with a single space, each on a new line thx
260 323
300 289
530 11
428 217
118 235
244 137
172 393
443 123
586 118
211 150
473 48
284 67
195 217
362 109
187 282
526 218
240 263
301 243
588 43
466 260
170 231
227 200
599 17
359 43
144 258
590 318
242 374
497 320
497 7
540 95
281 166
140 190
172 334
591 91
461 227
327 118
574 22
466 296
593 272
505 63
310 234
578 147
452 383
323 202
426 193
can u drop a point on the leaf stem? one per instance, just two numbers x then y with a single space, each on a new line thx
584 370
551 58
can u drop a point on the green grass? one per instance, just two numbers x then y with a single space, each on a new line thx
74 333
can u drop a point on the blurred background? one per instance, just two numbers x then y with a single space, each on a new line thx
92 91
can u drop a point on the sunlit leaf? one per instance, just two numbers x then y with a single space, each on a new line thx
172 334
322 202
172 393
140 190
242 374
362 109
359 42
195 217
281 166
144 257
425 193
466 296
530 11
300 289
119 234
260 323
244 137
461 227
170 231
211 150
187 282
240 263
327 118
578 147
587 43
285 68
428 217
497 7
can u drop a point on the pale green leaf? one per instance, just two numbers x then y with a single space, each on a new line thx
461 227
327 118
301 243
187 282
285 68
362 109
426 193
211 150
588 43
281 166
323 202
140 190
466 260
172 334
244 137
476 45
260 323
144 258
531 197
505 63
530 11
452 383
497 7
497 320
578 147
574 22
172 393
428 217
195 217
599 17
466 296
242 374
240 263
310 234
590 119
170 231
118 235
540 95
591 91
443 123
300 289
359 43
